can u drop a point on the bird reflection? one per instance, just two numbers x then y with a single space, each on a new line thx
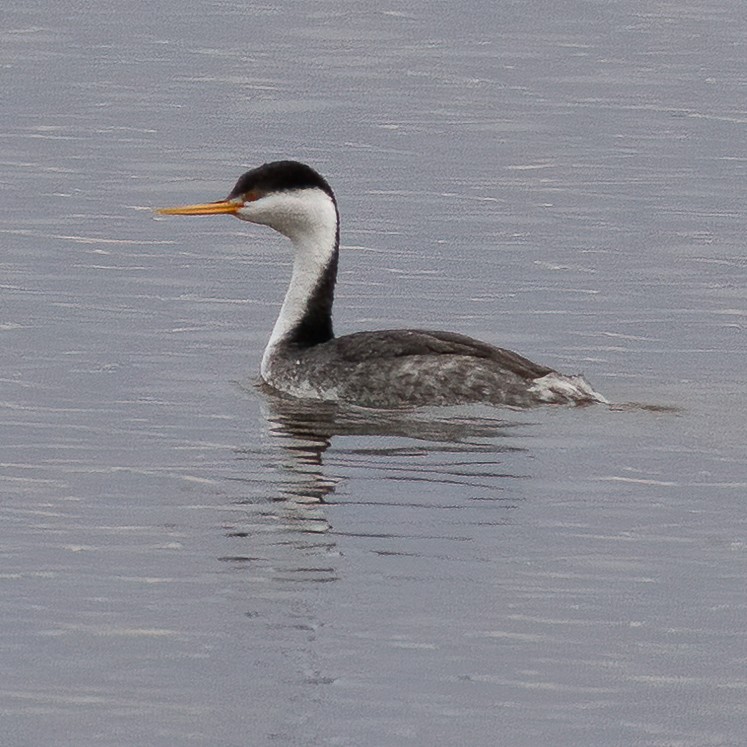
304 431
288 524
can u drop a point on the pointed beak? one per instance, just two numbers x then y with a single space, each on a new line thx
209 208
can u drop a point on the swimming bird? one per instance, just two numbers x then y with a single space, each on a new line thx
395 368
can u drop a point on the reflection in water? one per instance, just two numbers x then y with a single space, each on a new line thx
304 431
441 460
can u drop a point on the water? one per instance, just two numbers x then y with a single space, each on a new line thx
187 561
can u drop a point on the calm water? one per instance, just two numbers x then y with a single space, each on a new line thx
186 561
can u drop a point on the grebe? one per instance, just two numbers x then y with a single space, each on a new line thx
383 369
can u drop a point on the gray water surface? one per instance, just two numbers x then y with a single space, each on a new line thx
189 561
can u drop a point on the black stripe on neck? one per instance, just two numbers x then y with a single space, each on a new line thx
315 326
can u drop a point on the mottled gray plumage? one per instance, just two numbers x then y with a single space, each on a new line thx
395 368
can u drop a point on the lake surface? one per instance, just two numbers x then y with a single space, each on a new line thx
186 561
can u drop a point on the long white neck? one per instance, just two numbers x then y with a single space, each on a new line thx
311 261
309 219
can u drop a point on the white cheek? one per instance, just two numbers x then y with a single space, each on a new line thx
256 212
292 213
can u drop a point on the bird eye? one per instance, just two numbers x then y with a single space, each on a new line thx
252 196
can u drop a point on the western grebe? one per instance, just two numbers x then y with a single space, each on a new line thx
383 369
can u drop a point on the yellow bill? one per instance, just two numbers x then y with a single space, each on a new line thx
208 208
